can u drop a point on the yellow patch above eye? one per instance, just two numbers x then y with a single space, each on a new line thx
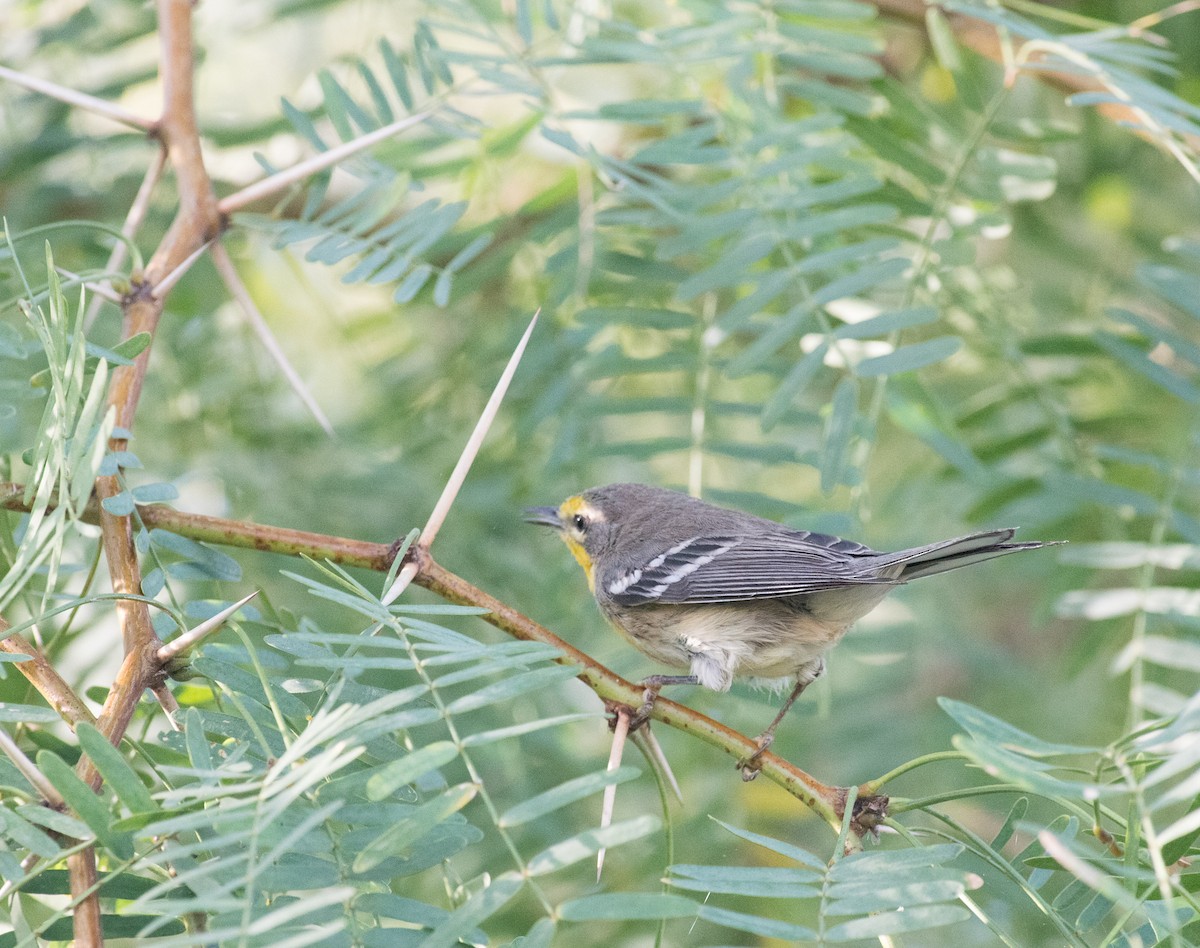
577 505
571 506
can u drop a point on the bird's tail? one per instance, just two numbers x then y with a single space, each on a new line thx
951 554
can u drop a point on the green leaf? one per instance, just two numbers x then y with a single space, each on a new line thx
528 727
410 768
1136 359
468 253
869 896
894 861
115 770
994 731
580 846
765 291
910 358
154 493
757 925
243 682
387 905
1173 284
1179 847
399 837
52 819
25 836
398 72
564 794
113 885
479 907
442 287
114 926
1015 815
796 381
511 688
1130 555
790 851
941 37
920 918
636 316
524 20
27 714
762 882
108 355
626 906
298 872
541 935
838 430
886 323
1059 344
212 563
411 285
341 107
93 810
132 347
119 505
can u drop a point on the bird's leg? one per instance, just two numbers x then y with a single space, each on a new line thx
653 685
751 765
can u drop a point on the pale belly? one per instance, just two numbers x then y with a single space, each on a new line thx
768 639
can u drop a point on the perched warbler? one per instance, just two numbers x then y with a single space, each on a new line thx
726 594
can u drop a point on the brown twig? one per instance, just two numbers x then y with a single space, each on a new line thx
196 222
81 870
133 222
49 683
826 800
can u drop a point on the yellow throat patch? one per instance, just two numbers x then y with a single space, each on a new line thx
571 537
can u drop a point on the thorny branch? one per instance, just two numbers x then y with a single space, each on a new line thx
825 800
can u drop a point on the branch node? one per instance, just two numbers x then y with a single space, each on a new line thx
869 813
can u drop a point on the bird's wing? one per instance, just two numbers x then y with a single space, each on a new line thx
732 568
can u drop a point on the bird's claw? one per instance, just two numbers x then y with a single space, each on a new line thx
752 765
638 717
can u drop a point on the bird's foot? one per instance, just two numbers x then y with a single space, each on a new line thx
652 685
635 717
751 766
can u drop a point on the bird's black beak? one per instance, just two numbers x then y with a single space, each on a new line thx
543 516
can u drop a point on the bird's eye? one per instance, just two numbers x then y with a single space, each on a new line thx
580 523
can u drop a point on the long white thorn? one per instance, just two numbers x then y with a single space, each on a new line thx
166 283
660 759
177 646
237 289
620 733
466 459
29 770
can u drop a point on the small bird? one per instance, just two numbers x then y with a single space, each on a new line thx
729 595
